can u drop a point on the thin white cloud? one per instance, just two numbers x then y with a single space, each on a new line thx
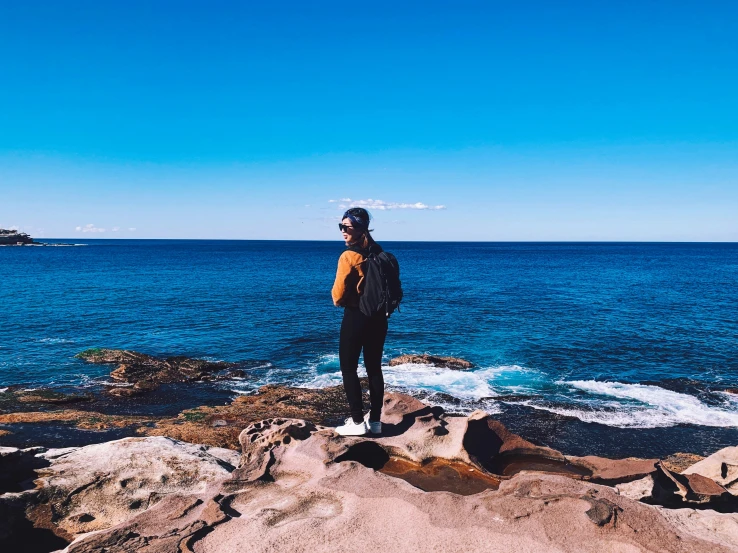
381 205
115 229
132 229
89 228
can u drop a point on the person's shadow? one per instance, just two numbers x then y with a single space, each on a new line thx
425 414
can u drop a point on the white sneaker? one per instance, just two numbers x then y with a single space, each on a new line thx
374 427
351 428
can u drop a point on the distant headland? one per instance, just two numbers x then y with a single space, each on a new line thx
15 238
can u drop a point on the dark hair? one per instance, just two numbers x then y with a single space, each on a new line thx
360 218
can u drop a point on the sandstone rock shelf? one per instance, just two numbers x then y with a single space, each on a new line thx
428 481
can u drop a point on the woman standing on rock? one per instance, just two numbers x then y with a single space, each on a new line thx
358 331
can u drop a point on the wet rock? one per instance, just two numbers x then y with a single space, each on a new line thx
17 398
87 420
512 397
147 372
50 396
235 373
437 475
124 391
435 360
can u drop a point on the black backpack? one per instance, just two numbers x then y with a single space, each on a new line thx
382 288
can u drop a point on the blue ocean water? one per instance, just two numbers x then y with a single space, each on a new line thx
625 335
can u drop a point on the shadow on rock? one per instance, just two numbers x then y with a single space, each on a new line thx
390 430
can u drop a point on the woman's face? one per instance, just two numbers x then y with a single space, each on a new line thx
349 233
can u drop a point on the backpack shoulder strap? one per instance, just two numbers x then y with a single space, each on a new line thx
365 254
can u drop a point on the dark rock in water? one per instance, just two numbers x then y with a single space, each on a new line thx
513 397
18 399
124 391
147 372
235 373
435 360
55 434
50 396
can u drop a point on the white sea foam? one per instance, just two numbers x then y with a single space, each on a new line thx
56 340
644 406
460 384
462 406
729 397
263 366
3 390
609 403
464 385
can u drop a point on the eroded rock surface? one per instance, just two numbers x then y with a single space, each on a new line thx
721 466
429 482
304 488
98 486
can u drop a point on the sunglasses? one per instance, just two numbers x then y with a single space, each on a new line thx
344 228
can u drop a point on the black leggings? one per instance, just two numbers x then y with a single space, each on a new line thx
368 333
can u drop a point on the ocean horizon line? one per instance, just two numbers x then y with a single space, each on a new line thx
598 242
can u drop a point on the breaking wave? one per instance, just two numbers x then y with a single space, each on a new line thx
639 406
475 384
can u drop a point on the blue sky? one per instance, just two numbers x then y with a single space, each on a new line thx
516 120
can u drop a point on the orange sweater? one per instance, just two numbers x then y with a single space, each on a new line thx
349 280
